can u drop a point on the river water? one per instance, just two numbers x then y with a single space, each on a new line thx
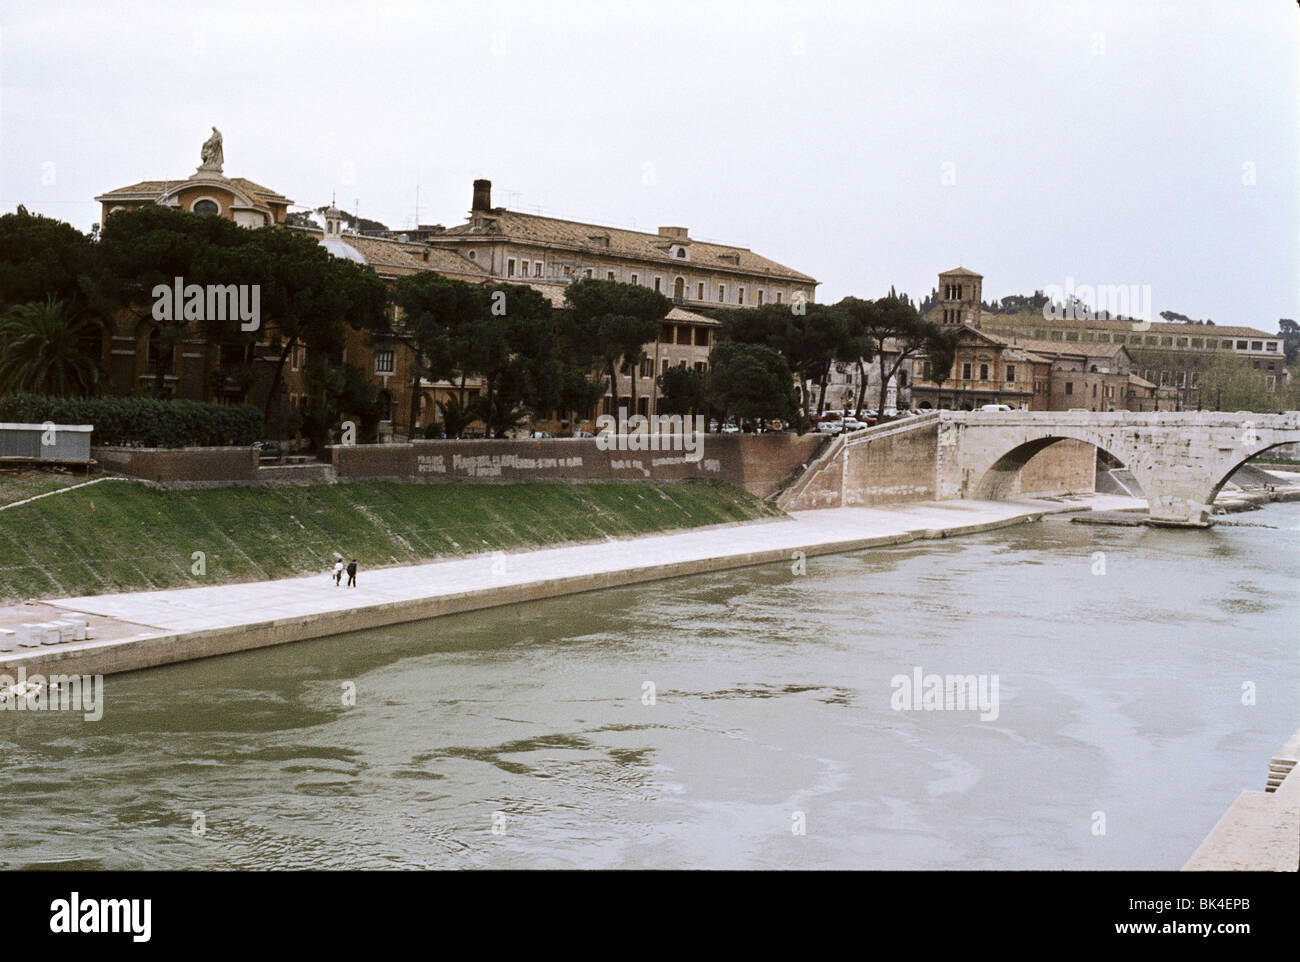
524 737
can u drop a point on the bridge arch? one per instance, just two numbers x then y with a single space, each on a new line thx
1001 479
1236 462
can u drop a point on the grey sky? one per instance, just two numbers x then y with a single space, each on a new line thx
1104 141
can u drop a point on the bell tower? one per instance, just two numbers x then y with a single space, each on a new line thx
960 294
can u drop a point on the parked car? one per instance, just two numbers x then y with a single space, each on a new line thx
582 434
997 407
830 427
853 424
267 450
539 435
730 429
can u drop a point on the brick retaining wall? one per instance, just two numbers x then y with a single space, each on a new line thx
181 465
758 463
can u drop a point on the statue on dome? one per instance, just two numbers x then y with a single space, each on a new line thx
211 154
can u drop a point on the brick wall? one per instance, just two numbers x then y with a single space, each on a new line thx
758 463
181 465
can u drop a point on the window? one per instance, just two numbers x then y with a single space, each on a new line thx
965 371
1257 345
925 370
510 267
681 252
537 268
587 273
633 278
1272 346
700 292
1069 387
1241 345
984 372
740 295
383 362
760 298
778 297
473 255
1011 373
1270 383
648 367
206 207
701 337
663 366
701 366
683 334
658 281
609 275
722 293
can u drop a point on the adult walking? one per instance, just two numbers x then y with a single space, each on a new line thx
338 573
352 573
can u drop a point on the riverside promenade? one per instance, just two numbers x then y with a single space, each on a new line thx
144 629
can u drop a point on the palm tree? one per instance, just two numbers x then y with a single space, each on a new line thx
42 350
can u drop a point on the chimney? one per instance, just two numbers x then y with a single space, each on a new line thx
482 195
677 233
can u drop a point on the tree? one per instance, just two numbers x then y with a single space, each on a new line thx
1226 383
150 246
41 258
439 323
1290 333
511 353
338 391
617 320
811 337
682 390
42 350
894 320
751 381
308 296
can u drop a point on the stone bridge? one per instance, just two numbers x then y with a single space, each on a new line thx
1181 460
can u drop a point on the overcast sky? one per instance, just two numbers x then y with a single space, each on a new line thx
866 144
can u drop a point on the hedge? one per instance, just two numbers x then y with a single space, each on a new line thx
140 421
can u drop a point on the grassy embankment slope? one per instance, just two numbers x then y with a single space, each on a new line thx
124 536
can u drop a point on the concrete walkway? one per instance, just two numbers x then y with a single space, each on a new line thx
143 629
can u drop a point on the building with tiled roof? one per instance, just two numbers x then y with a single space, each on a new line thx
1170 355
693 273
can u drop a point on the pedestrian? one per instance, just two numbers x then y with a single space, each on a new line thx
338 573
352 573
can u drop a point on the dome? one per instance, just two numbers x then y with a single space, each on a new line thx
339 248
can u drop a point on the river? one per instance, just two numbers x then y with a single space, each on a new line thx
528 737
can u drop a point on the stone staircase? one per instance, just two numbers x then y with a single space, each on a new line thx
817 487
